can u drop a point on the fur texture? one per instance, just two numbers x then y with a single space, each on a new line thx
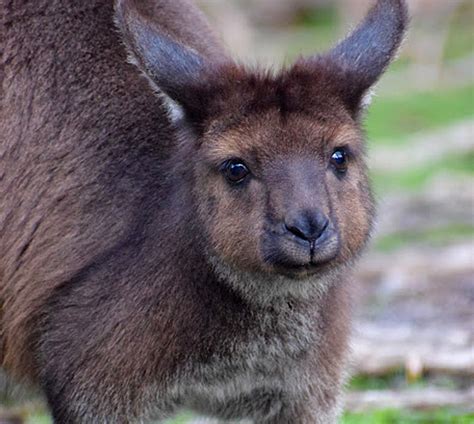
136 279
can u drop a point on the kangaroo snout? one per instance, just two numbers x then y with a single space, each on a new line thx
307 226
308 241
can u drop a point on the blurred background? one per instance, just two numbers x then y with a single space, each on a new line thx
413 341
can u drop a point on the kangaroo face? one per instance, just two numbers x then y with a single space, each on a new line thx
284 194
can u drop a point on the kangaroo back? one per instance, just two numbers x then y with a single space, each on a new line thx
75 119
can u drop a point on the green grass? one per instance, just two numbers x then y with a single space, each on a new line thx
436 236
387 381
392 417
417 177
394 118
38 419
374 417
181 419
409 417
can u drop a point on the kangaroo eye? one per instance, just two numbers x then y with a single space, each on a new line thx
235 171
339 160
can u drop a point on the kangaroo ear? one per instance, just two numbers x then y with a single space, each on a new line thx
365 54
172 68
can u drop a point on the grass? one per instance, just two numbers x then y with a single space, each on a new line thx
436 237
394 118
374 417
409 417
181 419
416 178
387 381
39 419
398 380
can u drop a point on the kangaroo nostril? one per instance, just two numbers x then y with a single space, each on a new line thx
308 226
297 232
323 228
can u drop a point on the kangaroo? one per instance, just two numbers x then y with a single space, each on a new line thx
177 231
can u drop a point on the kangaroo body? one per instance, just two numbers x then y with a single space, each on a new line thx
134 281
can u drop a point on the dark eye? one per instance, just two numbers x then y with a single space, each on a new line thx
235 171
339 160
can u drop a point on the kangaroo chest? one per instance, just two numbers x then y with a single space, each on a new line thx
260 369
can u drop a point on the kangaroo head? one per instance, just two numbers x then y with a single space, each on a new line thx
279 172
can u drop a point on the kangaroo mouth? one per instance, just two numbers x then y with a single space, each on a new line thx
301 271
298 258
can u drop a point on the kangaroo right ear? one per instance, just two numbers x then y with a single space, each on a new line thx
173 68
364 55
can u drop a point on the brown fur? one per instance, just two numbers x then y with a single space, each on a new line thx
134 280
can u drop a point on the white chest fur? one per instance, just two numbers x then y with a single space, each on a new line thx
266 370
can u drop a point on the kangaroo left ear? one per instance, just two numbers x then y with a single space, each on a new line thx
174 69
360 59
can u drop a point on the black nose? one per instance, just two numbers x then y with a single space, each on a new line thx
308 225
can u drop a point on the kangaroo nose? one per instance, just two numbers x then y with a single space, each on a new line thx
308 225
